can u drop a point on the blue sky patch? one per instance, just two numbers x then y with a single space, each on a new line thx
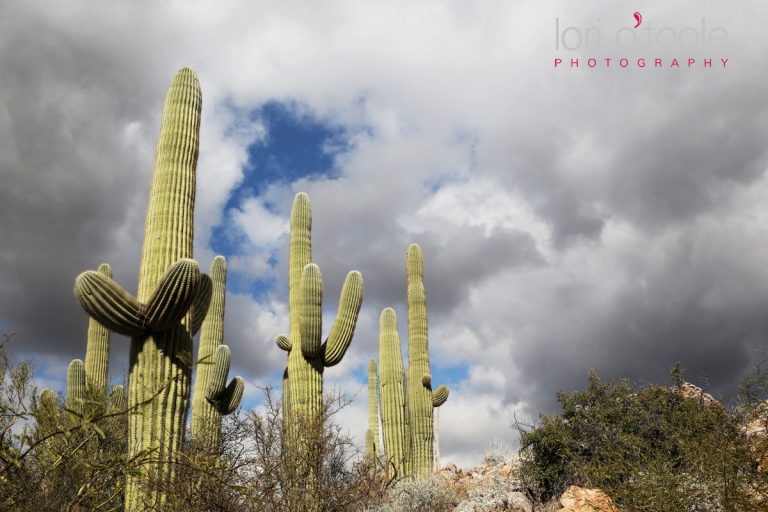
297 145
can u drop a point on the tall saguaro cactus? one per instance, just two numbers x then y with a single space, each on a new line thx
419 384
211 398
307 356
392 393
157 319
372 447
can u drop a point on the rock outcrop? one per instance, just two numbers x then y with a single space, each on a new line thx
578 499
491 488
693 392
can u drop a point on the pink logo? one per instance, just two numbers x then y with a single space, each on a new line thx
638 18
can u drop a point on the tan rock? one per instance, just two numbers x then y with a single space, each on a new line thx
577 499
693 392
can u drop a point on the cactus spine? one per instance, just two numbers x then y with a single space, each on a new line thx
169 282
307 356
392 393
372 448
211 399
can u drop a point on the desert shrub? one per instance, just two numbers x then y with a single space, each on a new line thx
260 466
497 452
54 460
431 494
492 494
647 447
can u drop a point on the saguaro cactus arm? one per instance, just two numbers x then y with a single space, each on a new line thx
229 399
225 399
109 304
97 351
311 311
282 341
439 396
199 308
346 319
174 295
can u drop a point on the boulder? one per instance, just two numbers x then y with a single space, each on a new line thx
577 499
693 392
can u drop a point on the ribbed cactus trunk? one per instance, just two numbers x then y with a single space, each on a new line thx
164 360
304 375
372 448
419 380
97 352
207 406
392 394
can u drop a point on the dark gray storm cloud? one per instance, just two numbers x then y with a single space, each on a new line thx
68 177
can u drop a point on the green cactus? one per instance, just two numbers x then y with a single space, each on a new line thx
392 393
117 399
421 401
211 399
49 416
169 283
75 390
97 352
407 409
307 356
372 449
48 400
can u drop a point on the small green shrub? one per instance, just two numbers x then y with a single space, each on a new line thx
431 494
646 447
497 452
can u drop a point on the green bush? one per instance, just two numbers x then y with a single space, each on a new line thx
648 448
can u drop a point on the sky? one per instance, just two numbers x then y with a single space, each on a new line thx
587 182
